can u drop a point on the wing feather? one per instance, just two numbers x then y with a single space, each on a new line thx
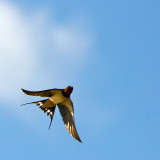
66 110
44 93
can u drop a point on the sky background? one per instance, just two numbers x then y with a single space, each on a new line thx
108 50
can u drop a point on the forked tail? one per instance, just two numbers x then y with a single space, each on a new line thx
45 107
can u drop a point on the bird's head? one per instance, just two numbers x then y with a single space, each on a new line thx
67 91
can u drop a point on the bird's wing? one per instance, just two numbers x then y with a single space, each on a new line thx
44 93
66 110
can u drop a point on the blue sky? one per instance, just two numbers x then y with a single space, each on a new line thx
108 50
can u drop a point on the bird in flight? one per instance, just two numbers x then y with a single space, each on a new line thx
61 98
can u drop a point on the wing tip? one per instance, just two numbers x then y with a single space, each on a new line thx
27 92
80 140
23 90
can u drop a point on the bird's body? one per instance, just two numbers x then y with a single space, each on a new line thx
60 97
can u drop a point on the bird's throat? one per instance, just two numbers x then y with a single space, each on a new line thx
67 91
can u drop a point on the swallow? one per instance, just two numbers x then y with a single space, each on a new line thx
61 98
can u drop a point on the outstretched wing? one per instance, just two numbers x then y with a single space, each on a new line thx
66 110
44 93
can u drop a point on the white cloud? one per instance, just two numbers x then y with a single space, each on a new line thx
17 58
28 43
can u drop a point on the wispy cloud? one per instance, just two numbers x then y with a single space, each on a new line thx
31 44
17 58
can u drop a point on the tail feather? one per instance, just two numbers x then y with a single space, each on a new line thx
39 103
45 106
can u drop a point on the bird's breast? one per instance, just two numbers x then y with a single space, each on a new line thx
58 98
